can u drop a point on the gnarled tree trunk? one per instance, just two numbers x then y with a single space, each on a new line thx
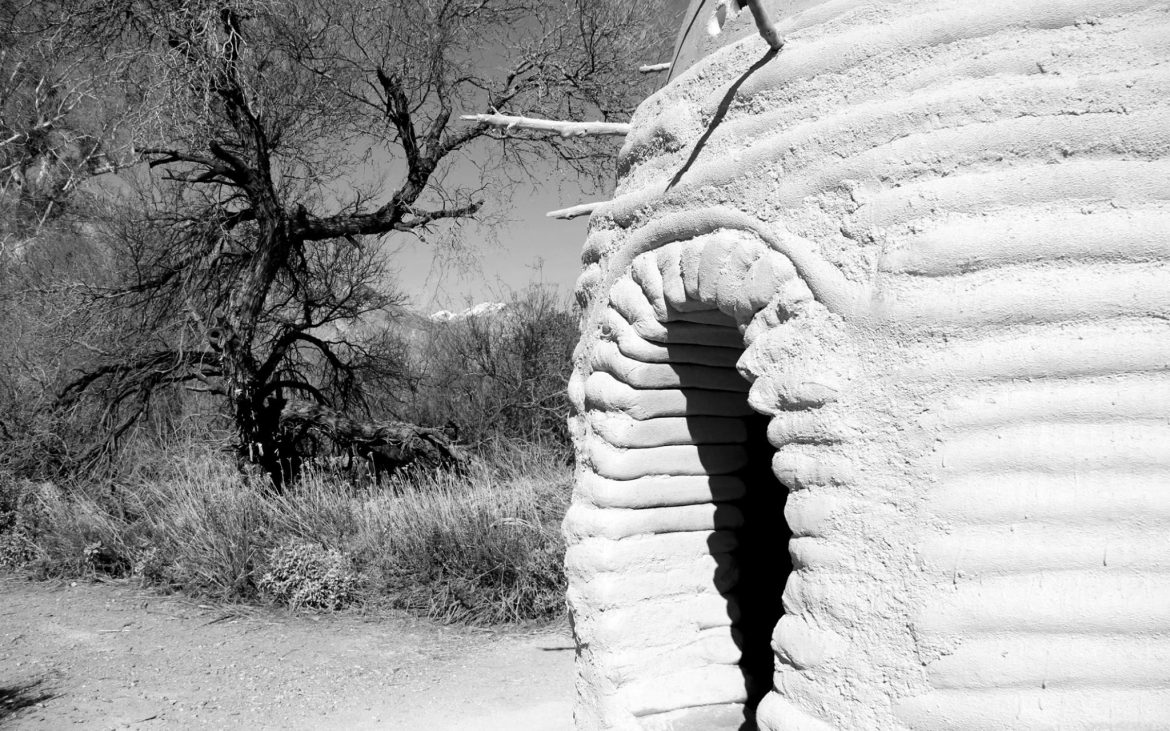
387 445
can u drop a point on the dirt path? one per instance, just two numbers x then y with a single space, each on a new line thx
107 656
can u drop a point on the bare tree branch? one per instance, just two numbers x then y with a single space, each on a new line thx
395 216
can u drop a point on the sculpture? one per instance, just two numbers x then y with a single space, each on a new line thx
902 290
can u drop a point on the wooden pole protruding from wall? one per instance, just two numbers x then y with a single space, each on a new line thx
564 129
764 23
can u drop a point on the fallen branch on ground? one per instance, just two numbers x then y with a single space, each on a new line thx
388 444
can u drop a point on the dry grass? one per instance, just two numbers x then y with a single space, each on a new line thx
486 550
484 547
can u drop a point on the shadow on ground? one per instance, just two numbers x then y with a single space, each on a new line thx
18 697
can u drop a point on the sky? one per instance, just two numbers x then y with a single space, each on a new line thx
531 248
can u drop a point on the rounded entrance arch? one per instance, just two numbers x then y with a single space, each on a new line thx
678 541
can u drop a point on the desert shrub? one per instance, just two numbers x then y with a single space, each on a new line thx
16 549
306 575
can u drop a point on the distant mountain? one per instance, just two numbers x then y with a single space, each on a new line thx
480 310
409 324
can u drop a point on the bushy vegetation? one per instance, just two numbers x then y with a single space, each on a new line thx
303 574
483 547
502 376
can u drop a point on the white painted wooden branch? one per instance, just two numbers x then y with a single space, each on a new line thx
567 214
564 129
655 67
764 24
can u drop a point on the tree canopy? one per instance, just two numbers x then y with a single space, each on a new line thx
265 149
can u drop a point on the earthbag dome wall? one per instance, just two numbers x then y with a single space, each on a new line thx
870 401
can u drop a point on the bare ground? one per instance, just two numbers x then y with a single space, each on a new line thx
107 656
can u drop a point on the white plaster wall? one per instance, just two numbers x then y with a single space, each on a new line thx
942 230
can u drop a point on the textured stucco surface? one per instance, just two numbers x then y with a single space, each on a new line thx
931 242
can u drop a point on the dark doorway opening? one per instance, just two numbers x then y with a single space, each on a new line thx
751 576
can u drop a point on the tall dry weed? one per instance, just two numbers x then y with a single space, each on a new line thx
481 547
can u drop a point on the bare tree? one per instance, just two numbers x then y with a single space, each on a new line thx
251 248
59 113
